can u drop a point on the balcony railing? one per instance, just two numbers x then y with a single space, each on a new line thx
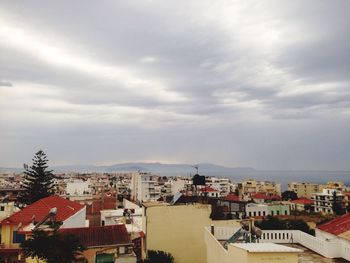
326 248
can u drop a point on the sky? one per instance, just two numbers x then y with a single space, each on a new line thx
262 84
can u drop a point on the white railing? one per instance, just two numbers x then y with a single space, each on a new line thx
224 233
328 249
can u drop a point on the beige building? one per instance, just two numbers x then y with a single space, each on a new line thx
337 185
179 230
251 187
306 190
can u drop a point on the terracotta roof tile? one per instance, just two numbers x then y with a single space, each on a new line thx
303 201
265 196
100 235
39 209
337 226
207 189
232 197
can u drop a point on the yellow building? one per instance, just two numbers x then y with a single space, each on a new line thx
179 230
306 190
337 185
251 187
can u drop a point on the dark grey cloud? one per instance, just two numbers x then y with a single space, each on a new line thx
5 83
179 76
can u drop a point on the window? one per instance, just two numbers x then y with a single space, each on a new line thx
278 212
121 250
272 213
17 238
2 208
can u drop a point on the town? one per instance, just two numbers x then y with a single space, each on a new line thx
125 216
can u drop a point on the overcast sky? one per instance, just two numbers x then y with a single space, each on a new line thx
264 84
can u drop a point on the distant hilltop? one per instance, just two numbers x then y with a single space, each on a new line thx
156 167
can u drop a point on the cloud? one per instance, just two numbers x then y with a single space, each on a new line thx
197 69
5 83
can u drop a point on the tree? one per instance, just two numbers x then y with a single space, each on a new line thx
337 206
272 223
38 180
157 256
289 195
52 247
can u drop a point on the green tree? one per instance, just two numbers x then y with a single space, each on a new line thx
157 256
38 180
337 206
52 247
273 223
289 195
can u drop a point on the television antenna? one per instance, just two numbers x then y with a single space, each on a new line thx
196 167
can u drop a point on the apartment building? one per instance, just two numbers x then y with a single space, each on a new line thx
144 187
251 187
338 185
323 201
262 210
306 190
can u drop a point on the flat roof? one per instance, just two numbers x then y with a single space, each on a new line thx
154 203
266 247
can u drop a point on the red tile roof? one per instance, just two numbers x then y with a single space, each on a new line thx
231 197
207 189
337 226
303 201
39 209
265 196
100 235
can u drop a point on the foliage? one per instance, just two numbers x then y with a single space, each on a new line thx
53 248
289 195
337 206
157 256
273 223
217 215
38 180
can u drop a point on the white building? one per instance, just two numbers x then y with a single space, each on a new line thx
323 201
223 185
178 185
130 215
144 187
257 210
78 187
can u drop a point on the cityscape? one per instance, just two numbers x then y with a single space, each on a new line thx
161 131
121 216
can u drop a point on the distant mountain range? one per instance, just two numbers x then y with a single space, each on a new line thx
159 168
236 174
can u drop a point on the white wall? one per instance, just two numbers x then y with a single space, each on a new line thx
78 187
333 248
76 220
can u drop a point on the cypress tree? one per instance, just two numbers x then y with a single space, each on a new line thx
38 180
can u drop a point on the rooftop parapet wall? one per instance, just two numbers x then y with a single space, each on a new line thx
326 248
247 253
